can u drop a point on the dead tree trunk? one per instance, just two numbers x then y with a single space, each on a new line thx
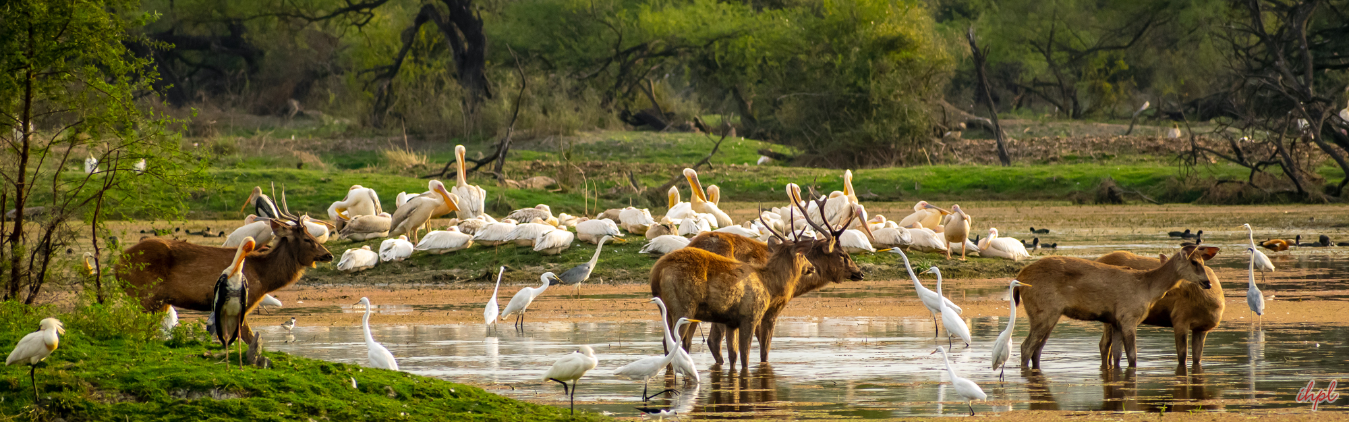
463 32
988 98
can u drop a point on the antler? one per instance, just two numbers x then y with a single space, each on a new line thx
827 229
769 226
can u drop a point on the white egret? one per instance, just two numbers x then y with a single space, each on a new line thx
1002 348
489 314
1262 262
380 357
36 346
683 363
930 299
647 367
520 302
955 325
1254 297
571 368
966 388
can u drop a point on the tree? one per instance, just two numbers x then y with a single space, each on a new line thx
69 94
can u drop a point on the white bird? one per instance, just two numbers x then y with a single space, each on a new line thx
645 368
554 241
744 229
930 299
568 220
662 245
699 202
763 159
854 241
1254 297
494 234
445 241
259 229
472 198
1173 132
958 232
520 302
1262 262
593 230
269 300
90 165
955 325
401 199
289 325
694 225
926 214
676 209
380 357
358 259
964 387
542 212
396 249
410 217
489 314
472 225
525 234
683 363
1002 247
636 221
571 368
366 227
36 346
359 201
170 321
1002 347
891 237
317 229
139 167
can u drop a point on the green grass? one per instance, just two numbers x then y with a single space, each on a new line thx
118 379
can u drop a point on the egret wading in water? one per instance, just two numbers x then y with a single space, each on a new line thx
931 300
1262 262
683 363
648 367
955 325
520 302
580 273
489 314
1002 347
967 389
35 347
231 300
379 356
1254 297
571 368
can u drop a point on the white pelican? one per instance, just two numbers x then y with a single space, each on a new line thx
1002 347
359 201
90 165
925 214
891 237
958 230
379 356
636 221
554 241
714 194
1174 131
926 240
318 229
1254 297
417 211
257 228
571 368
594 230
677 210
36 346
495 233
445 241
955 325
694 225
838 206
541 212
662 245
1002 247
358 259
645 368
471 197
1262 262
964 387
745 228
472 225
395 249
662 228
489 313
525 234
366 227
564 219
854 241
931 300
520 302
401 199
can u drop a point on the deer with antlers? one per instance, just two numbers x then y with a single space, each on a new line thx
832 265
696 283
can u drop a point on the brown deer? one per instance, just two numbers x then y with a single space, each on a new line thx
1188 309
698 284
832 265
1091 291
169 272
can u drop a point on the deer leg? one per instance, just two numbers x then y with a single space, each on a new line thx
1180 350
1105 345
1130 345
714 338
1116 347
745 335
1035 341
1197 346
765 334
732 345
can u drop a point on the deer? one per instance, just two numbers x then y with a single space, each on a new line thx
699 284
1187 309
832 265
165 272
1091 291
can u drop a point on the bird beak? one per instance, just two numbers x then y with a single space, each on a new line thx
943 211
251 196
695 321
934 351
884 250
1023 284
926 271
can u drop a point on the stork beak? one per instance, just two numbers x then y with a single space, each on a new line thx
251 196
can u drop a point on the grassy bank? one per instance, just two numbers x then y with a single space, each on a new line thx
106 377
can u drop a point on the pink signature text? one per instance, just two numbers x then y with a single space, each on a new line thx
1310 394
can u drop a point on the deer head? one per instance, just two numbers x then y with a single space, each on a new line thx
1189 264
832 264
293 238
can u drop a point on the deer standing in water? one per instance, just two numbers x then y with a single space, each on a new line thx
169 272
1091 291
1187 309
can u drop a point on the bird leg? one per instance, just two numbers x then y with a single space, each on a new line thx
32 376
971 408
667 390
948 341
936 326
573 396
1003 372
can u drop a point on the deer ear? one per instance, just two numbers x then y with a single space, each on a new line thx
277 225
1209 252
1188 251
1161 257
